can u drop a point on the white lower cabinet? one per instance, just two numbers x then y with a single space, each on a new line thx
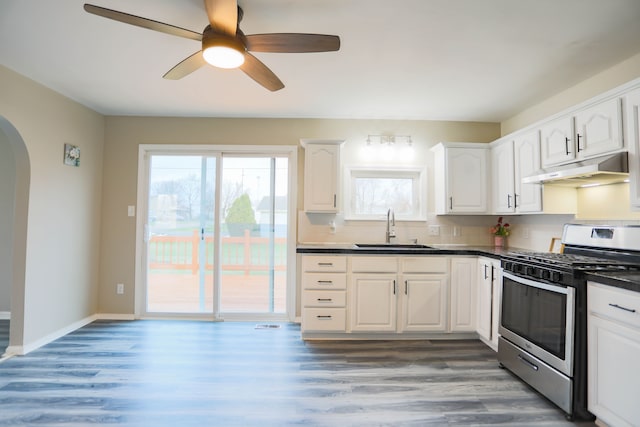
463 294
324 293
424 302
399 294
489 294
388 294
373 302
613 354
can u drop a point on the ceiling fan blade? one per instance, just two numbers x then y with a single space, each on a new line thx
223 15
292 43
260 73
142 22
186 67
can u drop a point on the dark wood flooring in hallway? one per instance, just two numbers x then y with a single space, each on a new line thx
185 373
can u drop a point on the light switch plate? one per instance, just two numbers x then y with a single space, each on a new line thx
131 210
434 230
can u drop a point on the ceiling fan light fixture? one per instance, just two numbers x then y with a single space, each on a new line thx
223 52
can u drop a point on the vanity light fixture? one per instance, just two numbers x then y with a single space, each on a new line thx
387 150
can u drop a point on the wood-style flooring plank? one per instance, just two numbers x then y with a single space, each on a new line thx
187 373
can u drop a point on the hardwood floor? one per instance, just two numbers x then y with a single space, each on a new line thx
185 373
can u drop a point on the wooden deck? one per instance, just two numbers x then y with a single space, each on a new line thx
180 293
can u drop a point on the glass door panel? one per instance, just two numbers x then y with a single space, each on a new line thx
179 235
253 215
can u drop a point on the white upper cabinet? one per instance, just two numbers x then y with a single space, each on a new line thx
599 129
590 132
556 140
321 175
513 160
461 178
502 162
528 197
632 133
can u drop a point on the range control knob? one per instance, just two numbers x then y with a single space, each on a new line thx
556 276
546 274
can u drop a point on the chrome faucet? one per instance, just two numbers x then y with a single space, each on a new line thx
391 222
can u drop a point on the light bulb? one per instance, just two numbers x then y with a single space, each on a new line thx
223 56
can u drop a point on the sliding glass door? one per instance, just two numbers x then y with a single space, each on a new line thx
216 235
253 212
180 234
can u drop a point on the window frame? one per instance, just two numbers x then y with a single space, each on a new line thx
417 174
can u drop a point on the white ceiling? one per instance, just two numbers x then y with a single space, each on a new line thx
472 60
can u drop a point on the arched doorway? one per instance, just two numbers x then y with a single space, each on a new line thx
14 202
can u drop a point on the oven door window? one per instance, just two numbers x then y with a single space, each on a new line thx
538 315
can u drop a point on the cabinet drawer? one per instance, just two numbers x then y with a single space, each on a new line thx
324 263
324 281
324 298
324 319
374 264
425 264
617 304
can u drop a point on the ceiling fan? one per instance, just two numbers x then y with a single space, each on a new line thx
224 45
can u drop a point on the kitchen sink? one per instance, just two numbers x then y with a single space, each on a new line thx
392 246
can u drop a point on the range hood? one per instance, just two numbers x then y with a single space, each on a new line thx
609 169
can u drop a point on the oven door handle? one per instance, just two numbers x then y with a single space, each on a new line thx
528 363
534 284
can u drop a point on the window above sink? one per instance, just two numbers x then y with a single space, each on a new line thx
370 192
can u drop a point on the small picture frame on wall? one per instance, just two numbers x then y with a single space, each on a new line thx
71 155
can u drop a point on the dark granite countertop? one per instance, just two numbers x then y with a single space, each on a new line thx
351 249
620 279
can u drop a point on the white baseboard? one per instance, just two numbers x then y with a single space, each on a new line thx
5 315
29 347
114 316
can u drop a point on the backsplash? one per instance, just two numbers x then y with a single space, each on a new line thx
532 232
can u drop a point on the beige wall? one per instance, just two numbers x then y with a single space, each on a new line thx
124 134
62 239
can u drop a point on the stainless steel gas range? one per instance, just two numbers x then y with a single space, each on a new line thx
543 322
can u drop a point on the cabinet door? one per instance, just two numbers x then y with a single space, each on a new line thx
467 180
502 164
424 303
632 133
484 298
528 197
614 376
373 302
556 140
598 129
321 177
463 294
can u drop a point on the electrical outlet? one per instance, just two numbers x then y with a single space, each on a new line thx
131 210
120 288
434 230
525 233
456 231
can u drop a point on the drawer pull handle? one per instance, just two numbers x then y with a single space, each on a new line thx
325 299
325 264
526 362
630 310
325 282
325 317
